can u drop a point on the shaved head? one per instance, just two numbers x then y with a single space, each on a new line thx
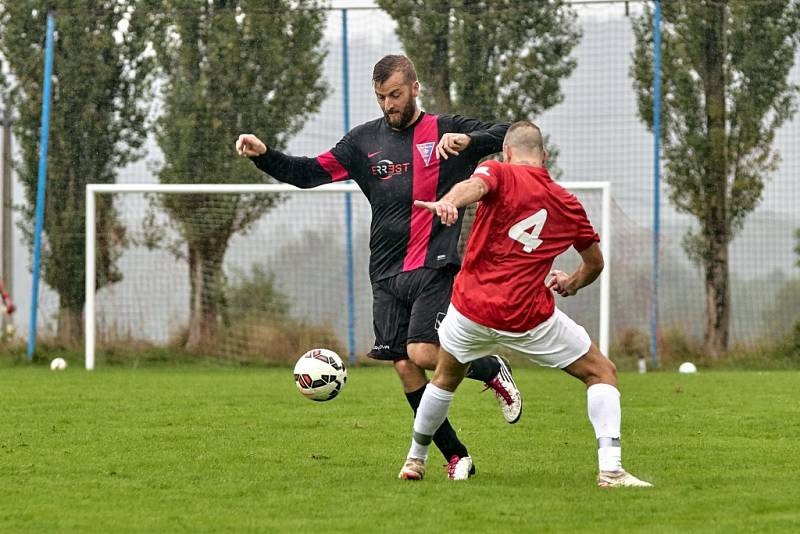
524 137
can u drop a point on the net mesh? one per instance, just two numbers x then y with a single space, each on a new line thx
277 288
599 136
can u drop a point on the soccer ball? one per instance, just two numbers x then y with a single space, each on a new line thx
58 364
687 368
320 374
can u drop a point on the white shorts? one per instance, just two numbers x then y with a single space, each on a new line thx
557 342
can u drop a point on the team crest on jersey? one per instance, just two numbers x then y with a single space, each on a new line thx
426 150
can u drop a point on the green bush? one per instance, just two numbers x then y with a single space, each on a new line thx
628 347
254 294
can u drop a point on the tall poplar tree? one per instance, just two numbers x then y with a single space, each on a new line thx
229 67
726 91
97 125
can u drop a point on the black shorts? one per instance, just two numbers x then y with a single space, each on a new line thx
407 308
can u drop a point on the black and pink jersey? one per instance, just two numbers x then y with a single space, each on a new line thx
393 168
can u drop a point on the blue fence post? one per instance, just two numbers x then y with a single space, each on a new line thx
37 237
348 211
656 179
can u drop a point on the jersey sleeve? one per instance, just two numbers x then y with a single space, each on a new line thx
304 172
491 173
487 137
585 234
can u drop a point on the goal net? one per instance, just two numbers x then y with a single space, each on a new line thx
258 272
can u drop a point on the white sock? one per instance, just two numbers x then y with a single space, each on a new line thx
431 414
605 415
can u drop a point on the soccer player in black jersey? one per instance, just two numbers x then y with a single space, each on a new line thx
407 155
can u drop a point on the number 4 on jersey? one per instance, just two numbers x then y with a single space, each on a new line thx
531 240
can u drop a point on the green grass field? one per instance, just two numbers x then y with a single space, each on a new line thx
239 450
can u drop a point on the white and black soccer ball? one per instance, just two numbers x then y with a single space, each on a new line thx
58 364
320 374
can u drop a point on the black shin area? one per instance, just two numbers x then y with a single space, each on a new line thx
484 369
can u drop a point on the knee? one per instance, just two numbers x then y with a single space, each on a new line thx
449 372
604 372
423 355
598 369
406 367
410 374
447 380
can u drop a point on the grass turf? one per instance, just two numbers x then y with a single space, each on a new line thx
239 450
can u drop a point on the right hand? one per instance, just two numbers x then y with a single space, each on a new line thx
451 144
446 211
248 145
560 283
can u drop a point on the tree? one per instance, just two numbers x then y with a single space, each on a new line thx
97 125
725 93
490 59
500 60
229 67
797 246
781 314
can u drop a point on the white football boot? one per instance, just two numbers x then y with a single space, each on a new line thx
505 391
414 469
460 468
620 479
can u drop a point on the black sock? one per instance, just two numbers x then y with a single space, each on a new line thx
445 437
484 369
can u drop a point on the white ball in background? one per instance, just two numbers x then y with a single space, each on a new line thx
687 368
58 364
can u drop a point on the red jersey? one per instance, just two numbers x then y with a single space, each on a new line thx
522 223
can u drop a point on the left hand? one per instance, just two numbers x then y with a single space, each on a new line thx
248 145
558 283
446 211
451 144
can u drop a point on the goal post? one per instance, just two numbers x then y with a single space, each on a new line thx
93 190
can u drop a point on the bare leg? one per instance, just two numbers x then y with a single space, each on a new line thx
411 375
435 402
593 368
449 372
600 376
414 380
424 355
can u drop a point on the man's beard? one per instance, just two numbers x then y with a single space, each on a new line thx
403 119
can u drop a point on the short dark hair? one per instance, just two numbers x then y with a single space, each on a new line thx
525 135
392 63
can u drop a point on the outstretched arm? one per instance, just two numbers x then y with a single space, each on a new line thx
587 272
299 171
462 194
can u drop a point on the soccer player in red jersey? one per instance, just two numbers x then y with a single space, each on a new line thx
405 155
501 297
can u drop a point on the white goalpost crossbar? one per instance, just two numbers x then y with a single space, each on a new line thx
93 189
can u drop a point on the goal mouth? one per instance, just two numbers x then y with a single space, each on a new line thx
318 209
